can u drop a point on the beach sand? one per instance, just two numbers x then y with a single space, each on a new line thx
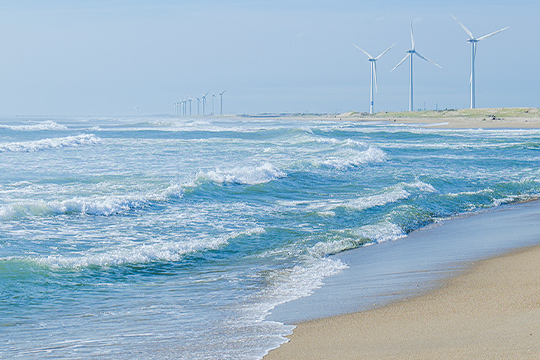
492 311
489 118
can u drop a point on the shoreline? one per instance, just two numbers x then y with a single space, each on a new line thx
488 118
488 308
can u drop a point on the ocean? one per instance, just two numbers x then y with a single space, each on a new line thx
173 238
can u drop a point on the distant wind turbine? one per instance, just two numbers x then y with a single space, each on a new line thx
212 99
473 42
373 61
198 105
189 99
203 98
221 102
410 57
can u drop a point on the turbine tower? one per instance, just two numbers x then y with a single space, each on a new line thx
373 61
473 42
189 99
203 98
221 102
410 57
212 99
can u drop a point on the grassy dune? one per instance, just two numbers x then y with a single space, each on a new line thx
453 113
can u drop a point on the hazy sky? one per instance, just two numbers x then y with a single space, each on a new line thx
107 57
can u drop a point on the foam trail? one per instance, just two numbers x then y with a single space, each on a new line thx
350 158
244 175
93 205
48 144
45 125
166 251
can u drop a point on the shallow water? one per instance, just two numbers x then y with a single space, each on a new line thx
162 237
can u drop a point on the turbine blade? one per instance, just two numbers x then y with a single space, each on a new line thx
375 75
464 28
365 52
425 58
493 33
401 62
412 38
384 52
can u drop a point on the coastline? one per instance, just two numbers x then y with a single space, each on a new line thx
489 118
484 308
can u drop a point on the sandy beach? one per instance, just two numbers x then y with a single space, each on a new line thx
490 312
489 118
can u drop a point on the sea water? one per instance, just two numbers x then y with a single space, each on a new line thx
173 238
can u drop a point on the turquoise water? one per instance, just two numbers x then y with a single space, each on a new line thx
173 238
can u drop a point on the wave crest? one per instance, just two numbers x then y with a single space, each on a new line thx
93 205
348 158
247 175
45 125
53 143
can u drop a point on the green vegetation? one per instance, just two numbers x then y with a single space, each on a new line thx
453 113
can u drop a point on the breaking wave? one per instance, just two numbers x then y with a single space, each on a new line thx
94 205
247 175
45 125
164 251
48 144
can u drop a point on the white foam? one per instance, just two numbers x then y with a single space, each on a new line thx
244 175
104 205
293 283
45 125
129 253
350 157
387 196
53 143
381 232
422 186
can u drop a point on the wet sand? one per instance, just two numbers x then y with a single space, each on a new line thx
491 310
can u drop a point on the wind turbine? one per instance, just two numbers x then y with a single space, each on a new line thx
373 61
198 105
221 102
410 56
212 99
204 101
473 42
189 99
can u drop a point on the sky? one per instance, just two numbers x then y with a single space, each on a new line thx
139 57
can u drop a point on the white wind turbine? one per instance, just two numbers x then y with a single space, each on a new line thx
473 42
212 99
203 98
221 102
409 56
373 61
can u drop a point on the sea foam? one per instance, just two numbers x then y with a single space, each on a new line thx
159 251
248 175
48 144
45 125
98 205
347 158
